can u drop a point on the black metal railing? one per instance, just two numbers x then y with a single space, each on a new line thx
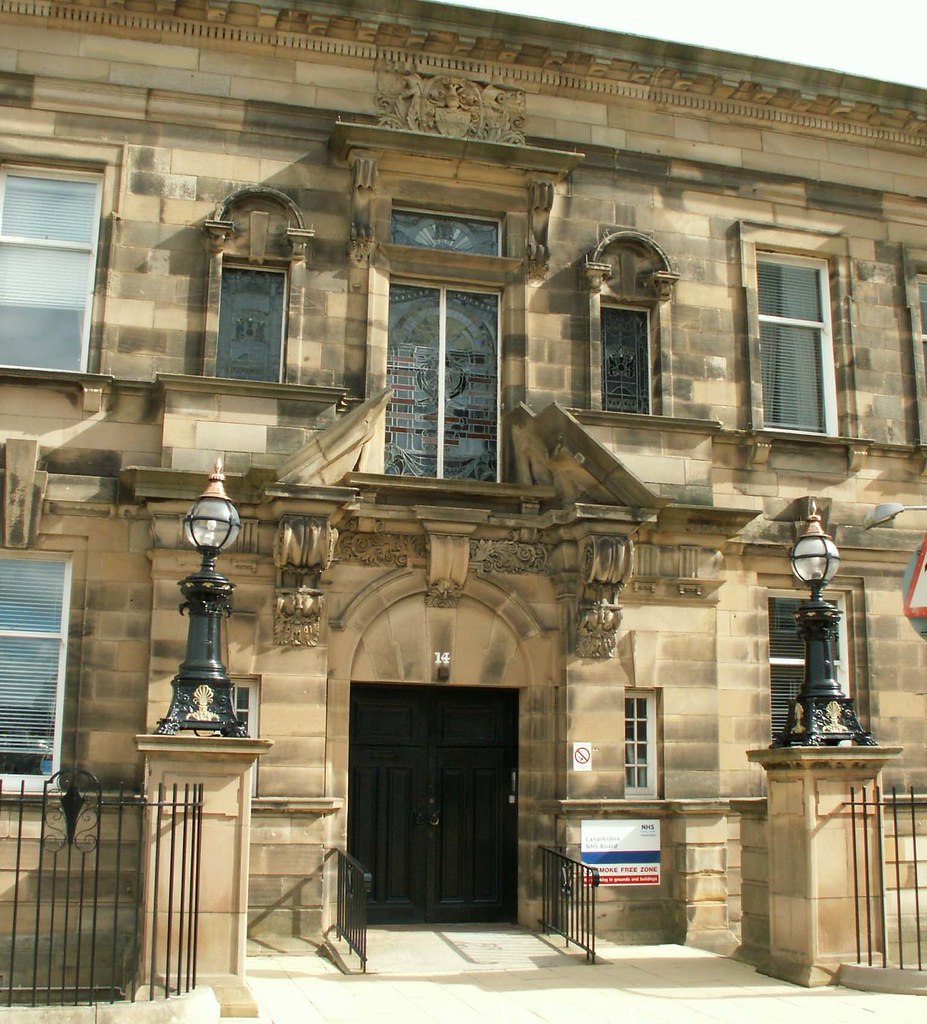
72 889
569 899
354 885
890 877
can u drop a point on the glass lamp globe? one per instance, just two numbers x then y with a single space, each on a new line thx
213 523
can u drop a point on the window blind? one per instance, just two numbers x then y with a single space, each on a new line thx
52 209
32 638
789 291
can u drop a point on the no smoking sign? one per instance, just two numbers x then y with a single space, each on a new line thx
582 757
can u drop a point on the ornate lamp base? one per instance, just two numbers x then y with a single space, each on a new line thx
823 721
201 707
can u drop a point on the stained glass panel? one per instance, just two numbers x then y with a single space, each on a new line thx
442 369
626 360
433 231
250 324
470 386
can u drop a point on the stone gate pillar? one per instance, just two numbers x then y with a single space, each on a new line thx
811 909
225 767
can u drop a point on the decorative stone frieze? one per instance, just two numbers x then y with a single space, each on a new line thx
448 105
383 550
605 565
509 556
673 571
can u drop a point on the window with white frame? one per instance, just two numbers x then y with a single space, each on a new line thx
640 746
48 239
251 324
245 699
34 595
796 346
787 658
625 359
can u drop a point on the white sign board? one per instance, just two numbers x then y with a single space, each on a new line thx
582 757
625 852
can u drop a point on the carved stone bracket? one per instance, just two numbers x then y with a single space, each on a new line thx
449 105
540 203
299 239
605 567
303 549
661 282
596 275
448 562
364 174
217 234
23 490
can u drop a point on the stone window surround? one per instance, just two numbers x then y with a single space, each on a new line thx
514 185
767 239
219 231
653 294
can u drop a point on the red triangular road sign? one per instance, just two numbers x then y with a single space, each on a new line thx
915 599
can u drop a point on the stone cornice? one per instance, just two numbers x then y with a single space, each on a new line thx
787 95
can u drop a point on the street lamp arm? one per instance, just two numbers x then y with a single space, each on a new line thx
885 513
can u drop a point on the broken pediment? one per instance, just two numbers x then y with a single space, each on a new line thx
353 444
552 448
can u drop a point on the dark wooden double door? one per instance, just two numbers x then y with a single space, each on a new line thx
431 801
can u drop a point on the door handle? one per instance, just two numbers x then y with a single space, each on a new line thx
435 819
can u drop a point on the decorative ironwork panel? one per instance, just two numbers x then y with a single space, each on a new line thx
458 234
442 368
625 360
250 324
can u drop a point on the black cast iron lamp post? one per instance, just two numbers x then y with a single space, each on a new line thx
822 714
202 698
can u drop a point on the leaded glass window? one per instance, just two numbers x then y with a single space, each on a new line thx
435 231
250 339
626 360
442 366
795 345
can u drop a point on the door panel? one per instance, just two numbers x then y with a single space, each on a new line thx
429 811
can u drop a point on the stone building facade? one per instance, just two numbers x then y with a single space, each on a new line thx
526 352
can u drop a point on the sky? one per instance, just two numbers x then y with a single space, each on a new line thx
836 34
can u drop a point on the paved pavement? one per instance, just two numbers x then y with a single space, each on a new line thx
507 975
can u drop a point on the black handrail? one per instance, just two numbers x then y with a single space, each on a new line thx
569 899
354 885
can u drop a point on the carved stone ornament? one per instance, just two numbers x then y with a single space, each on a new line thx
509 556
448 563
541 202
597 630
605 567
364 173
443 594
297 617
304 544
380 549
457 108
